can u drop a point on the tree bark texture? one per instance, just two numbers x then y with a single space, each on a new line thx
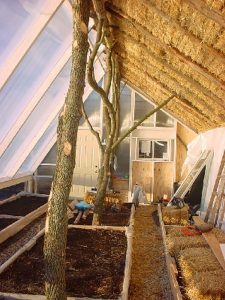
56 222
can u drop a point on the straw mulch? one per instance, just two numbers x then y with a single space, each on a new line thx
149 279
175 216
203 276
176 241
201 272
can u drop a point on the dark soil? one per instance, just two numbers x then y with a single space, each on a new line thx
23 205
11 190
94 266
109 218
6 222
14 243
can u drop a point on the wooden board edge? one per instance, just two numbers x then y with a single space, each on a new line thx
171 269
98 227
21 223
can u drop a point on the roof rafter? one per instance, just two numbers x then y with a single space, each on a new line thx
29 37
180 106
167 48
163 62
171 84
193 38
206 11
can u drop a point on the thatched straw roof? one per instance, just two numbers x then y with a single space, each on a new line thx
174 46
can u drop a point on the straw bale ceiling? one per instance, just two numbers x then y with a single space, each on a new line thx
174 46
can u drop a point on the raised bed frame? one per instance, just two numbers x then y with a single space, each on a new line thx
22 221
170 262
129 234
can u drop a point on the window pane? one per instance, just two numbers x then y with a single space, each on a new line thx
145 149
123 159
163 120
125 108
161 150
141 108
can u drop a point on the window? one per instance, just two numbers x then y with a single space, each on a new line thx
158 119
163 120
142 107
154 150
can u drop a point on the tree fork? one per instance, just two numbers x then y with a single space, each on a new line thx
56 222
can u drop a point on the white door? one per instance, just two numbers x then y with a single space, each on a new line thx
87 163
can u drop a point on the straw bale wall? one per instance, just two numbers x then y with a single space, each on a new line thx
173 46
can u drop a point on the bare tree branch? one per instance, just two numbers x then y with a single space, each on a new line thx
94 132
90 67
142 120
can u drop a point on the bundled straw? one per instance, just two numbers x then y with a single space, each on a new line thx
172 215
207 285
176 244
195 260
220 235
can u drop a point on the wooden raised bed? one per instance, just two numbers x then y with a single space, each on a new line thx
17 213
194 260
118 245
110 218
170 263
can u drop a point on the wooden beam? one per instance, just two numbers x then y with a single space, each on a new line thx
207 11
21 223
184 31
164 63
33 31
6 182
167 48
191 115
185 101
204 105
143 93
36 98
171 268
212 242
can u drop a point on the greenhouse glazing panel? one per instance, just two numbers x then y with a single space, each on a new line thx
36 65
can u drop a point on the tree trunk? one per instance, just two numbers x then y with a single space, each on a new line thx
101 191
56 222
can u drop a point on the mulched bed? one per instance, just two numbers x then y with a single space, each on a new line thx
109 218
149 279
14 243
94 266
23 205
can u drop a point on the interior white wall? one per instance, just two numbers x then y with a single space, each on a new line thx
211 140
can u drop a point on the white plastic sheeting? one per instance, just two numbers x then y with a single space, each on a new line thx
33 95
211 140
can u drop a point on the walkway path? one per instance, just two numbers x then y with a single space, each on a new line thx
149 279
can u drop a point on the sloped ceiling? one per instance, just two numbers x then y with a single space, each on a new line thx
174 46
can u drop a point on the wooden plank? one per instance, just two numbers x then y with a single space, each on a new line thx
41 297
211 202
171 269
20 224
142 173
98 227
13 181
212 242
163 179
128 262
